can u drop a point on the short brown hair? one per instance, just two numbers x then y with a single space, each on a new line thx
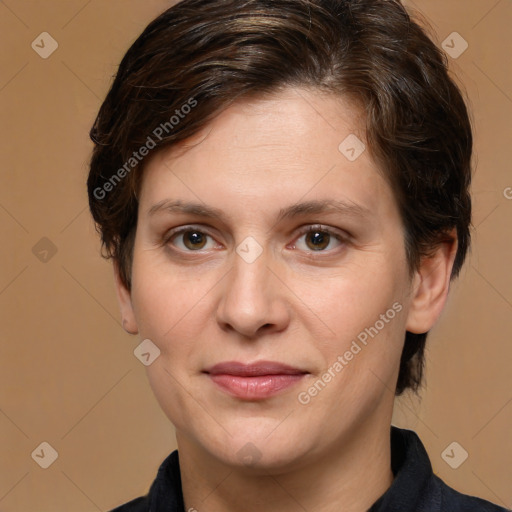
206 54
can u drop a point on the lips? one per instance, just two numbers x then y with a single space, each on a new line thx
254 369
254 381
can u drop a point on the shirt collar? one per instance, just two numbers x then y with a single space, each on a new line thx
413 487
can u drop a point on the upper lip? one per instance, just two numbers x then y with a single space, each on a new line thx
253 369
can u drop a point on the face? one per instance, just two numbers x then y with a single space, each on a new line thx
293 254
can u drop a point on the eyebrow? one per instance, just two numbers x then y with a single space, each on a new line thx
324 206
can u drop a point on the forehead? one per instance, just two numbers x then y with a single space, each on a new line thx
294 119
273 150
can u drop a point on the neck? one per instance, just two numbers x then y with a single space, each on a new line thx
350 477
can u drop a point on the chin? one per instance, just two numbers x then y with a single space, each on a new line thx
261 453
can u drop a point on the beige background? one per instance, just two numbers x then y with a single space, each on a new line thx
68 373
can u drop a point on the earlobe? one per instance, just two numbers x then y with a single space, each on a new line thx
125 303
431 286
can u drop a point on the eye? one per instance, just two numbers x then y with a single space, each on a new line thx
192 239
318 238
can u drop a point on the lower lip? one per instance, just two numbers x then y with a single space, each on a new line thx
254 388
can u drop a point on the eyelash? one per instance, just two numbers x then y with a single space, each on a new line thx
304 231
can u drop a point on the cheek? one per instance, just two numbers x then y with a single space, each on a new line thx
362 357
366 314
167 305
170 309
354 299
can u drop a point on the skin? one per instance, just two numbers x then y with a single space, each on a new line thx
293 304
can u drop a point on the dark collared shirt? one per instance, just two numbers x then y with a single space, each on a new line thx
415 488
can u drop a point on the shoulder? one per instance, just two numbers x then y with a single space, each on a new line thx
417 488
165 492
454 501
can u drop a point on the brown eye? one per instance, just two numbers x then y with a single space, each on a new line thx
189 239
319 239
193 239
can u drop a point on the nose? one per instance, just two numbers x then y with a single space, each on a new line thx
253 299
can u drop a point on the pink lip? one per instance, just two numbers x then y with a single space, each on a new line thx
258 380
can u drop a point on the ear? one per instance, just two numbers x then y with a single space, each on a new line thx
430 287
125 303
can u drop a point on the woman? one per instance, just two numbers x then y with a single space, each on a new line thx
283 188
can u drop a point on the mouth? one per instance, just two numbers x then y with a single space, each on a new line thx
255 381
